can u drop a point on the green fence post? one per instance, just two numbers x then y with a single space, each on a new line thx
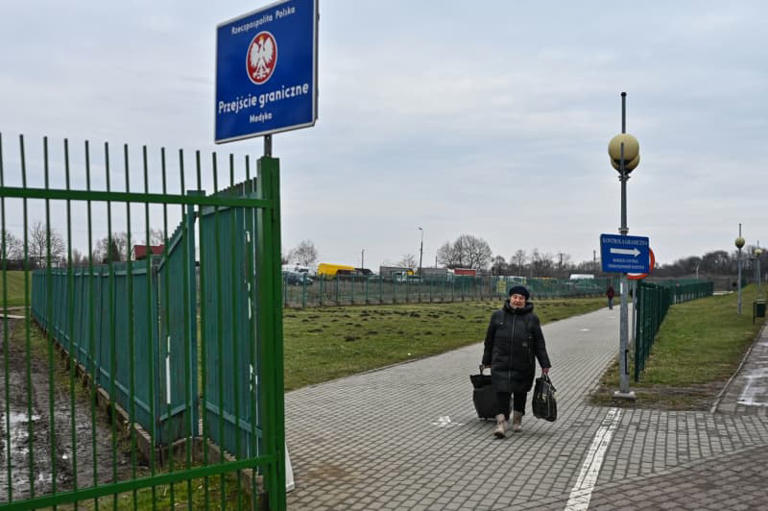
272 339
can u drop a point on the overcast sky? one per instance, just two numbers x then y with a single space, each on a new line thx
488 118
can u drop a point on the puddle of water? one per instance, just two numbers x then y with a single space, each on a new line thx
19 448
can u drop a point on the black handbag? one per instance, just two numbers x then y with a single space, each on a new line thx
483 395
544 403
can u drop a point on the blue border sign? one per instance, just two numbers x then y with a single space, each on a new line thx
624 254
266 71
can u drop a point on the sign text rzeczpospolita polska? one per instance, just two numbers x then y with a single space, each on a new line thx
246 102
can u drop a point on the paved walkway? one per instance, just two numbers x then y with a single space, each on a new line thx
407 437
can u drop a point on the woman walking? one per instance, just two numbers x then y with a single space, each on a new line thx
512 343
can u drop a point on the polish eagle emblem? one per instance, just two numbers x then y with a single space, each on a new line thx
262 57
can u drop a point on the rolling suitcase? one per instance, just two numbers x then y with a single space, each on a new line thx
483 395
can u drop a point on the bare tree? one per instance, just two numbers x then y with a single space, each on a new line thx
14 247
447 256
114 249
563 264
408 261
519 259
542 265
499 266
156 236
477 250
466 252
305 253
717 261
39 247
78 259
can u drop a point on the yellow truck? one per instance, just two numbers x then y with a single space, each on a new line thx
328 270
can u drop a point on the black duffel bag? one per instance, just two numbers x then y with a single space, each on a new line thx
544 404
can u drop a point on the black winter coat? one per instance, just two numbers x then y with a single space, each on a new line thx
512 342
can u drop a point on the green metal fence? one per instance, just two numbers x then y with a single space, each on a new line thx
134 337
227 236
361 290
653 302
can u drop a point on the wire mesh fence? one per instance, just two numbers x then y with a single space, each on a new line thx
362 290
653 302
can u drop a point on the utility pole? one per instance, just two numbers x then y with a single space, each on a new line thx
421 249
739 244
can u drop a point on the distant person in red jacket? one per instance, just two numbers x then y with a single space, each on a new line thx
610 293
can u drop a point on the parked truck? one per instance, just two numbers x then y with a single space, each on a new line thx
329 270
395 273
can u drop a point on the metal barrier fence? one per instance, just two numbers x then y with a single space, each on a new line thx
87 313
231 382
653 302
131 332
351 290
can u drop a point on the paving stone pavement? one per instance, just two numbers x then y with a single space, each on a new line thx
407 437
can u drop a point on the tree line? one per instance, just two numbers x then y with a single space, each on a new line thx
467 251
44 245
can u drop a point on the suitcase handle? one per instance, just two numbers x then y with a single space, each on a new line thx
482 368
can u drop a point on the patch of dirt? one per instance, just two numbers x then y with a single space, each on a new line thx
37 435
695 397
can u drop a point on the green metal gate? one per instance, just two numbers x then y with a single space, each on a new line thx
104 394
228 276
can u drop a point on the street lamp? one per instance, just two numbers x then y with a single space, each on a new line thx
624 151
758 252
421 249
362 259
739 244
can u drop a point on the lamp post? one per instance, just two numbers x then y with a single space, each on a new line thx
362 259
624 151
739 244
758 252
421 249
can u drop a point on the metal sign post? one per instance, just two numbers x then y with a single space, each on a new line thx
266 82
626 256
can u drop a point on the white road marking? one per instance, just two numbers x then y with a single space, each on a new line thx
445 422
584 330
752 392
581 493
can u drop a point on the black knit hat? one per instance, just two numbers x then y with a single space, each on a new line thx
519 290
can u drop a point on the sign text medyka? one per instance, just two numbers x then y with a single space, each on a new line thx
266 71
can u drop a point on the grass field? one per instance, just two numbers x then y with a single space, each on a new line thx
698 347
15 283
326 343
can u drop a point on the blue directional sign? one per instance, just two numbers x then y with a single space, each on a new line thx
624 254
266 71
